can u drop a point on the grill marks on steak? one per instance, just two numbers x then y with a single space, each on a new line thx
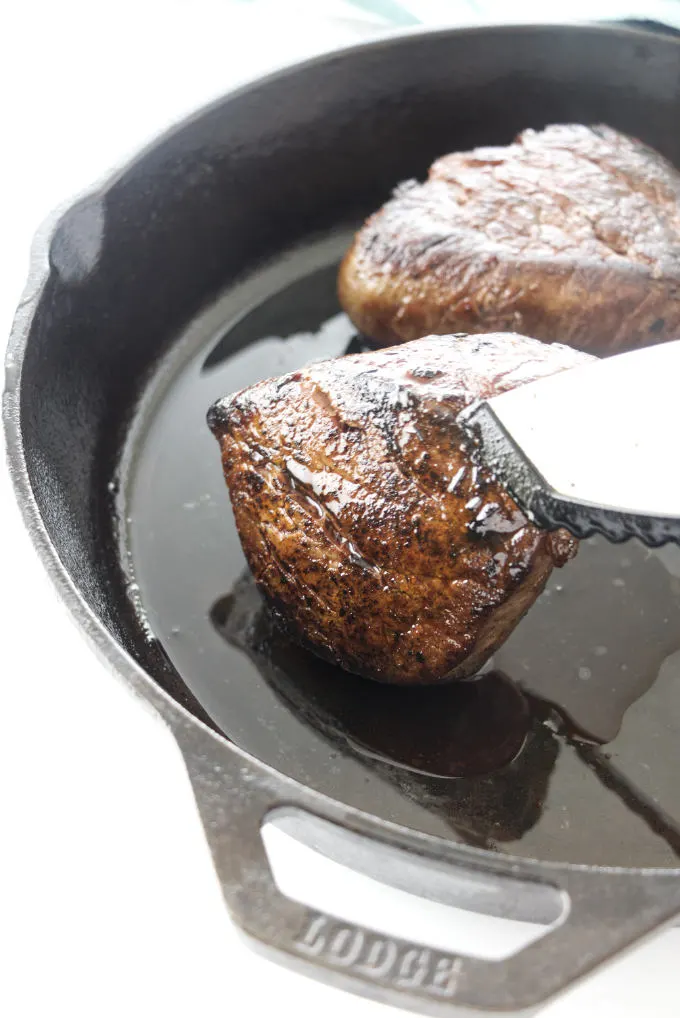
376 540
571 234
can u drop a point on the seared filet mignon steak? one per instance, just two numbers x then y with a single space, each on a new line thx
571 234
379 544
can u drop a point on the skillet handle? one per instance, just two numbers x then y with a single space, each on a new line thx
604 911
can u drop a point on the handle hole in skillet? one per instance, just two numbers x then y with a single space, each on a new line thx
332 870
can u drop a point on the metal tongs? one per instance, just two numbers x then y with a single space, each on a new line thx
591 449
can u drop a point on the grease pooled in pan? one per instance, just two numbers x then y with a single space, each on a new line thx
597 657
461 729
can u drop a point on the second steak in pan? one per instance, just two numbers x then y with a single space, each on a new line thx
571 234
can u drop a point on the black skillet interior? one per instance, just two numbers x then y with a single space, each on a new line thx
208 263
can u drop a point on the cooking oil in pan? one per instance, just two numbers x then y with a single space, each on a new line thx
564 749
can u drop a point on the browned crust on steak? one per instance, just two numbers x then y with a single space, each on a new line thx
571 234
376 540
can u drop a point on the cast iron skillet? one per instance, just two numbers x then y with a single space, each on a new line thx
153 294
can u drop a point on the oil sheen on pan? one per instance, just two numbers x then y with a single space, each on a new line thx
563 750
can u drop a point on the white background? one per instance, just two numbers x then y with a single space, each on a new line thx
108 901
